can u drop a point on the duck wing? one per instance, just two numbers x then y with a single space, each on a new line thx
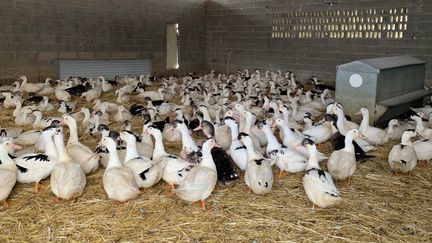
224 165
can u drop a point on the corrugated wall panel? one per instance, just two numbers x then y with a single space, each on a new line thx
106 68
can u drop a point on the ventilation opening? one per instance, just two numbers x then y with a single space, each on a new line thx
172 50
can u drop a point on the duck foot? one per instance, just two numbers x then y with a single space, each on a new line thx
423 164
345 182
349 180
315 206
171 189
204 206
282 174
143 189
56 200
5 204
37 187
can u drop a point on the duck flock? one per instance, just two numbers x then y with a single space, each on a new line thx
249 123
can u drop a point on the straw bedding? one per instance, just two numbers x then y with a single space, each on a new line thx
377 206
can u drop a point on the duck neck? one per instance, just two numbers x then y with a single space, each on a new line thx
323 101
419 125
272 142
288 134
187 140
131 150
207 158
248 125
206 115
159 149
18 106
406 140
294 107
390 129
86 116
73 132
349 147
7 162
62 154
234 131
313 159
285 116
50 147
38 119
341 123
365 121
217 118
250 150
113 160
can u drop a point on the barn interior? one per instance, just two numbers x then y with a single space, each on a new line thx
270 50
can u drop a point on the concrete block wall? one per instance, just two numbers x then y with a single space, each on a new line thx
241 29
35 34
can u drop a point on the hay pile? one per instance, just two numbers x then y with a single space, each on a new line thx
377 206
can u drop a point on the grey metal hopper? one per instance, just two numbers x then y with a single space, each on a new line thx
387 86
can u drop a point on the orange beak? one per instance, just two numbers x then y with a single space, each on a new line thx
197 128
16 147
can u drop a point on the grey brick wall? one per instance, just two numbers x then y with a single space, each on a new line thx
35 34
243 28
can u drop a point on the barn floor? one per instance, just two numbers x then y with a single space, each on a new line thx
377 206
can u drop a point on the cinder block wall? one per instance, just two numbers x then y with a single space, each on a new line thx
242 30
35 34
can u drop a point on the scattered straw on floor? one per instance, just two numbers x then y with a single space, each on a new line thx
377 206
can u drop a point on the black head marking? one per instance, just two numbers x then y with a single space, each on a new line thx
241 135
307 141
50 127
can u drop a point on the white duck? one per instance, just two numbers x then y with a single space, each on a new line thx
122 114
420 129
172 164
317 183
106 86
258 174
344 126
67 179
394 130
80 153
287 160
47 89
201 179
402 157
146 172
423 150
40 123
29 87
122 97
8 102
374 135
38 166
44 105
190 150
62 95
118 180
237 150
321 132
8 170
293 140
342 163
